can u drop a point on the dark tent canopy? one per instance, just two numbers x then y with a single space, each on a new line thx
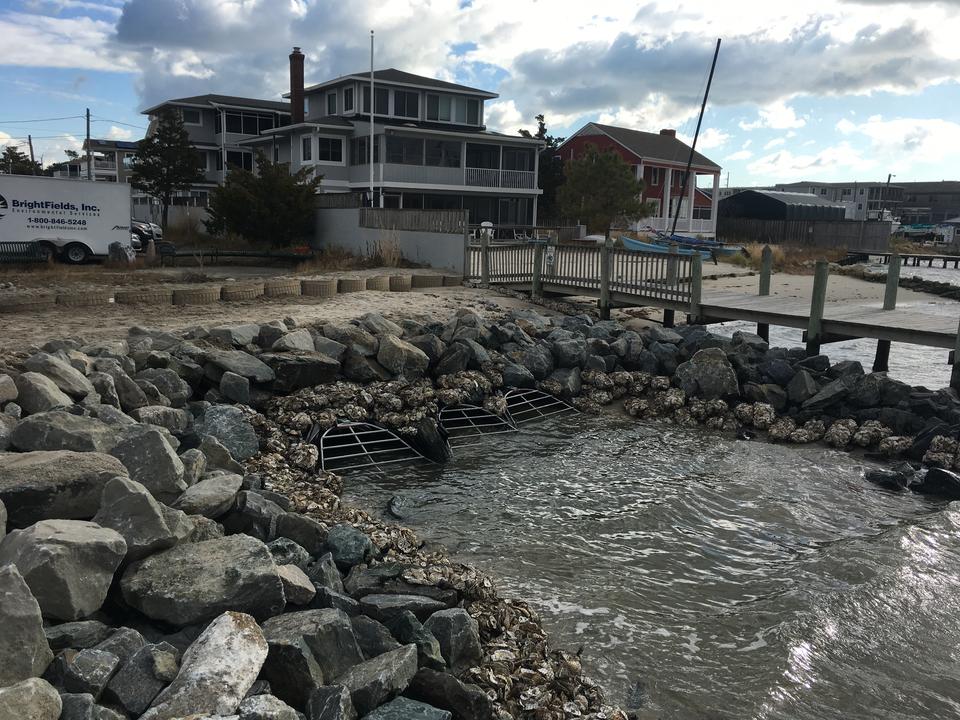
774 205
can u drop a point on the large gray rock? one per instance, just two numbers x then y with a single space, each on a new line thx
401 358
211 497
443 690
305 531
306 649
330 702
68 564
830 394
59 430
194 582
385 607
65 376
458 636
8 389
38 393
7 426
106 388
517 376
128 507
230 426
297 587
266 707
78 635
82 706
32 699
356 339
123 642
379 325
58 484
708 374
287 552
376 681
216 672
348 545
86 671
176 420
407 629
241 363
802 387
538 360
239 335
142 677
403 708
301 368
218 457
24 652
328 347
151 460
130 395
297 340
373 637
235 388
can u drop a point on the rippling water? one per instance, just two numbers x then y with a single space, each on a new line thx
708 578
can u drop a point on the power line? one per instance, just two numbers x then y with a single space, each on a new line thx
21 122
118 122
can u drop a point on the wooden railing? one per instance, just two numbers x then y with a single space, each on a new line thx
436 221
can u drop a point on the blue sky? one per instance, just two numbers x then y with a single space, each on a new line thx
849 89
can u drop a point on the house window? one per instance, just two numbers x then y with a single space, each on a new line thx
330 150
265 122
381 103
360 150
348 99
332 103
406 104
191 117
823 191
655 176
442 153
481 155
517 159
438 107
473 112
250 124
307 144
238 159
234 122
404 150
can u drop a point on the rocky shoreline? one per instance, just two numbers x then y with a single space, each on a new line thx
173 549
908 282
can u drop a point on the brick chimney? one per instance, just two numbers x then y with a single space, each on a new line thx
296 86
669 132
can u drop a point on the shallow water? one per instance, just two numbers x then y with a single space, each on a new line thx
707 578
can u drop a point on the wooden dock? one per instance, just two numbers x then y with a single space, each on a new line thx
673 282
912 259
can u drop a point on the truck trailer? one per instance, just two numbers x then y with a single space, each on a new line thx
69 219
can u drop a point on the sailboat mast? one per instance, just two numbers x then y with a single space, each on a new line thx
686 175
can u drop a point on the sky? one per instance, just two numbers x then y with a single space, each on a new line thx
825 90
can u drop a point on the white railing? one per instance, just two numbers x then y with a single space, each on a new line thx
491 177
518 179
664 224
481 177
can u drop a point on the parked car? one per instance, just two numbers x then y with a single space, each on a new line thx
146 231
135 242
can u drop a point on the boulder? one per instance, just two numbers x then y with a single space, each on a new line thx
330 599
330 702
432 346
176 420
8 389
193 582
303 530
211 497
405 627
81 706
59 430
123 642
356 339
7 425
568 379
297 588
456 358
458 636
254 515
296 340
235 388
537 359
68 564
348 546
324 573
70 380
403 708
517 376
362 369
78 635
802 387
830 394
286 552
443 690
128 392
708 374
54 484
241 363
32 699
127 507
86 671
194 465
38 393
216 671
385 607
300 369
151 460
778 371
940 482
373 637
266 707
230 426
142 677
328 347
24 652
379 325
374 682
237 335
218 456
402 358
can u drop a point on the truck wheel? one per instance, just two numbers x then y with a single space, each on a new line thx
75 253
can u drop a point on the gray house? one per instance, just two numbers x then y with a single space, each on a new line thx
431 149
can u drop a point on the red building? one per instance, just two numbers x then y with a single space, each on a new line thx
660 160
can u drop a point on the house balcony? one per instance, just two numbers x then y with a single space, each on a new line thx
685 225
428 175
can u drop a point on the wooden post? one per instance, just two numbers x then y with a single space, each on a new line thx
881 362
605 278
673 264
817 302
536 283
467 270
955 375
484 258
696 286
766 268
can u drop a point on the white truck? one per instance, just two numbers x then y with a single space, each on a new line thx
70 219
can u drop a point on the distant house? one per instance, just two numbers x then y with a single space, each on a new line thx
779 205
660 160
930 202
112 161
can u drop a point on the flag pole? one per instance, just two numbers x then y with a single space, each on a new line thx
371 119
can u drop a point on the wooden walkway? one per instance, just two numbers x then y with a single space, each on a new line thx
618 277
914 259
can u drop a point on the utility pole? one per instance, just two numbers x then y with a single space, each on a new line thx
371 120
89 152
883 200
33 165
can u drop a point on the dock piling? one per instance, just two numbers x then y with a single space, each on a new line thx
696 286
881 362
536 284
766 269
817 302
484 259
605 278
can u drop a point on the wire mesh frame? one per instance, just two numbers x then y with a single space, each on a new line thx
524 405
466 424
355 445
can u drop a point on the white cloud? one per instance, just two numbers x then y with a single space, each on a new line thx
709 138
739 155
48 41
118 133
776 142
785 165
503 116
777 115
904 141
6 139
